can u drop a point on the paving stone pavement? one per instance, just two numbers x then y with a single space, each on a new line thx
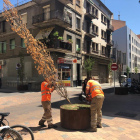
26 109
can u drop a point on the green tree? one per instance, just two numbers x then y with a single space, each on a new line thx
136 70
127 71
88 66
21 69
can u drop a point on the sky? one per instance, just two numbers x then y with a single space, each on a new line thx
129 11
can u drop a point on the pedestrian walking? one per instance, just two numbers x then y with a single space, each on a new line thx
96 95
46 90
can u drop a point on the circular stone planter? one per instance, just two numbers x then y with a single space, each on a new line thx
75 116
22 87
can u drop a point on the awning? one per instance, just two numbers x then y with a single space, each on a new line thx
44 33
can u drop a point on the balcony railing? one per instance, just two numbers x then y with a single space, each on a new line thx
51 15
90 13
110 27
104 54
61 45
110 42
91 33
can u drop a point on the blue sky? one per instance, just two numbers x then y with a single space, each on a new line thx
129 11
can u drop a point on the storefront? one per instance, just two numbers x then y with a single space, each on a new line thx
65 70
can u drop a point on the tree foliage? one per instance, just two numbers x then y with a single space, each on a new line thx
127 71
88 65
136 70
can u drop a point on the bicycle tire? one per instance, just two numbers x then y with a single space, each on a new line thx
11 132
25 128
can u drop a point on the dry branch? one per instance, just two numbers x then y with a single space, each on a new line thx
34 47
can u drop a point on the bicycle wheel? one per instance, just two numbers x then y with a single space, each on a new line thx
24 131
10 134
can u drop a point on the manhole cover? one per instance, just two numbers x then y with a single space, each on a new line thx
126 114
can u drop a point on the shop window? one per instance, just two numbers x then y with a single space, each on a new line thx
12 44
22 43
3 47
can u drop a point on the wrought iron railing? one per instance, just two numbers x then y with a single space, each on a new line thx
110 42
51 15
110 27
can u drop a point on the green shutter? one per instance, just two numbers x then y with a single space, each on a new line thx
22 43
4 47
12 43
0 47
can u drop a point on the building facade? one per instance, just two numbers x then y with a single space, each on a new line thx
84 29
126 48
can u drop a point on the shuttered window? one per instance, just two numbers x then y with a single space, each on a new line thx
12 44
3 47
22 43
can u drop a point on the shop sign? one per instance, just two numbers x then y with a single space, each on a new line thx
67 61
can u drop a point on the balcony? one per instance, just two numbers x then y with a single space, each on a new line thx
110 28
89 13
65 2
91 33
110 43
60 46
52 18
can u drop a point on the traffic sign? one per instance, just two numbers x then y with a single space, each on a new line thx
114 67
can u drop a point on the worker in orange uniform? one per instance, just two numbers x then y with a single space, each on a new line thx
46 90
96 96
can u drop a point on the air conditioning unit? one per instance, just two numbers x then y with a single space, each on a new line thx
2 62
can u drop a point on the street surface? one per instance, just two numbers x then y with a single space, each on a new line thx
25 108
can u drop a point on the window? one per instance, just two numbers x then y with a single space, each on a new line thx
78 23
132 39
103 34
96 13
12 44
124 58
78 2
69 37
130 64
3 47
3 26
95 29
69 17
130 46
78 44
103 18
129 37
94 47
129 55
24 18
103 50
22 43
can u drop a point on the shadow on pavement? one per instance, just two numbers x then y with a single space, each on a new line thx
38 128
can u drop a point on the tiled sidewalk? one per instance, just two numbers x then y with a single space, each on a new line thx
25 109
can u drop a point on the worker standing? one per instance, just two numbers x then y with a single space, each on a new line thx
96 95
46 90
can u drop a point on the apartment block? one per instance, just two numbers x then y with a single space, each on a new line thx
126 48
86 23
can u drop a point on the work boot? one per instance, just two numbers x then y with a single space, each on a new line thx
52 126
99 125
92 129
41 123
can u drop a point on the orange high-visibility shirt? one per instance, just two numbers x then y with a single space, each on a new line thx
46 91
95 88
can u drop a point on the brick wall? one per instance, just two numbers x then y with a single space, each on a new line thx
118 24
